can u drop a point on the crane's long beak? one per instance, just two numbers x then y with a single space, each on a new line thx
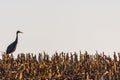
21 32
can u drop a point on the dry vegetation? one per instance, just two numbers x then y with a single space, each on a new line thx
61 66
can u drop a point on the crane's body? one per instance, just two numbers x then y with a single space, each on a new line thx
12 47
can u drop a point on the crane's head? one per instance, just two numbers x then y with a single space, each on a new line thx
18 32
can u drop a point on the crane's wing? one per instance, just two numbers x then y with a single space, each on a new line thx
11 48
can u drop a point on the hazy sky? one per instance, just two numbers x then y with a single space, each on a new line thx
62 25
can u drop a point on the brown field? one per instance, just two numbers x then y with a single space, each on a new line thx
61 66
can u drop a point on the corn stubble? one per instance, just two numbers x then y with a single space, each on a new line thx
60 66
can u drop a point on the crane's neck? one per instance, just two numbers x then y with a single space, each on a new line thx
16 37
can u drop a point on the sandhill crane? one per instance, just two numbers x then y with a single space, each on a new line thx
12 47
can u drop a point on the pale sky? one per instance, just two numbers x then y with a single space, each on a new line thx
61 25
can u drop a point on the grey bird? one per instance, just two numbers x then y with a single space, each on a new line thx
12 47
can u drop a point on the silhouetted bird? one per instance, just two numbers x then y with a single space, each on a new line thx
11 48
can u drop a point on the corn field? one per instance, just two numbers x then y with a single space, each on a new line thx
60 66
